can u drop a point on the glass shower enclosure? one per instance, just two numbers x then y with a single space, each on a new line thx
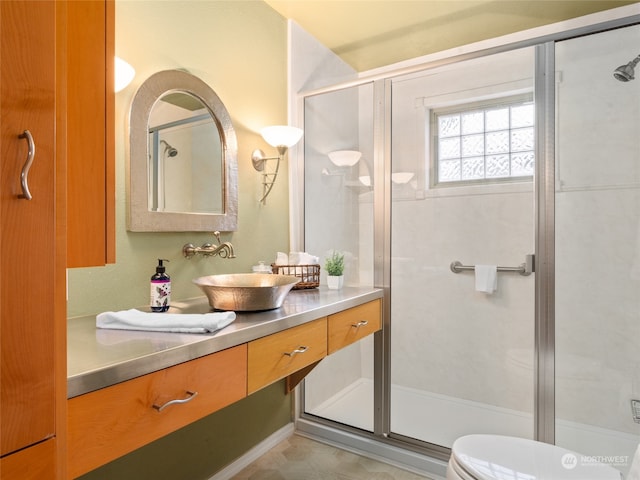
498 319
597 238
464 134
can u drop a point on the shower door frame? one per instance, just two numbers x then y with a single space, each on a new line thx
382 442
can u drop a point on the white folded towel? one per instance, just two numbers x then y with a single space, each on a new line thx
308 259
296 258
486 278
282 258
165 322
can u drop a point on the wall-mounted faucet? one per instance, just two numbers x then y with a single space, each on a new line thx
224 250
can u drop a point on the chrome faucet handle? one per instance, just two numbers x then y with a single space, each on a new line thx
207 249
189 250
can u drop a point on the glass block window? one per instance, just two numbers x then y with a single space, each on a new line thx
486 142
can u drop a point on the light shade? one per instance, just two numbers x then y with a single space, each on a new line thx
345 158
281 135
401 178
365 180
124 74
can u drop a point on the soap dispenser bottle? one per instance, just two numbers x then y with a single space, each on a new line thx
160 289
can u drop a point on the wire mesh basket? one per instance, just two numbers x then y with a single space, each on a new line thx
309 275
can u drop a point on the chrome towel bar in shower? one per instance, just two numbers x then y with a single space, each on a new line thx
524 269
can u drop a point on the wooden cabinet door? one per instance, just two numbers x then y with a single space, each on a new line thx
90 140
35 463
27 242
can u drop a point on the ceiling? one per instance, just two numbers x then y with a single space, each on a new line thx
371 33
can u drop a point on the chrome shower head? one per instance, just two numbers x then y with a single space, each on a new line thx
624 73
169 150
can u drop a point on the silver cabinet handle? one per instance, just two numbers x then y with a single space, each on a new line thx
191 396
361 323
24 180
300 349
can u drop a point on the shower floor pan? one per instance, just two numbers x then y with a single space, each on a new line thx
440 419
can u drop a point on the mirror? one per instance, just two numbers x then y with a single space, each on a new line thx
182 157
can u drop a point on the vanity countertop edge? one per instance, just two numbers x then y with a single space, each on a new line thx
98 358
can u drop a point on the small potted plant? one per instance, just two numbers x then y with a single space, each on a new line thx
334 265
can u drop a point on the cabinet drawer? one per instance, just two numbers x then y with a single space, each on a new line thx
108 423
276 356
353 324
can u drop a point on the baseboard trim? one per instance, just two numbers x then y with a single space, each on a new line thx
256 452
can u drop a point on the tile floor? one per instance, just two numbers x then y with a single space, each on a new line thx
299 458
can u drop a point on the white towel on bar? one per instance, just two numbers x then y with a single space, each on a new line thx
486 278
165 322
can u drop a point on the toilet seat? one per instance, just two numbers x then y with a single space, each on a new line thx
497 457
456 472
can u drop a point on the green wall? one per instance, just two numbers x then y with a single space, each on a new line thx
239 48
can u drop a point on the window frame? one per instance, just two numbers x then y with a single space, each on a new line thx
509 100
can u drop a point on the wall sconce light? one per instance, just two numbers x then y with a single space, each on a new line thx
282 137
401 178
345 158
124 74
365 180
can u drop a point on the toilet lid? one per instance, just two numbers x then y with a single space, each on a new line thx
497 457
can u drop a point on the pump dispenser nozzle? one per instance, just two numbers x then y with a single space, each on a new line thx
161 268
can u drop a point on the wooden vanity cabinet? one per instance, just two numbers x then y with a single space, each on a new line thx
29 246
90 141
108 423
111 422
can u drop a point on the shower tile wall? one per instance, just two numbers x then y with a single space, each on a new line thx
598 238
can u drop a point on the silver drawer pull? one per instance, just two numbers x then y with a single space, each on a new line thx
24 175
191 396
300 349
361 323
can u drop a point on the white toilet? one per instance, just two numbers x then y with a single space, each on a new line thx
497 457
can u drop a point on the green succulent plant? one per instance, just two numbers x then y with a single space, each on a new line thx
334 265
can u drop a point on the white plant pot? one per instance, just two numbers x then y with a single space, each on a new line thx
335 283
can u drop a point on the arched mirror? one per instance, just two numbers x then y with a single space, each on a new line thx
182 157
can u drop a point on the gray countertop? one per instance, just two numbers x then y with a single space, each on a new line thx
98 358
